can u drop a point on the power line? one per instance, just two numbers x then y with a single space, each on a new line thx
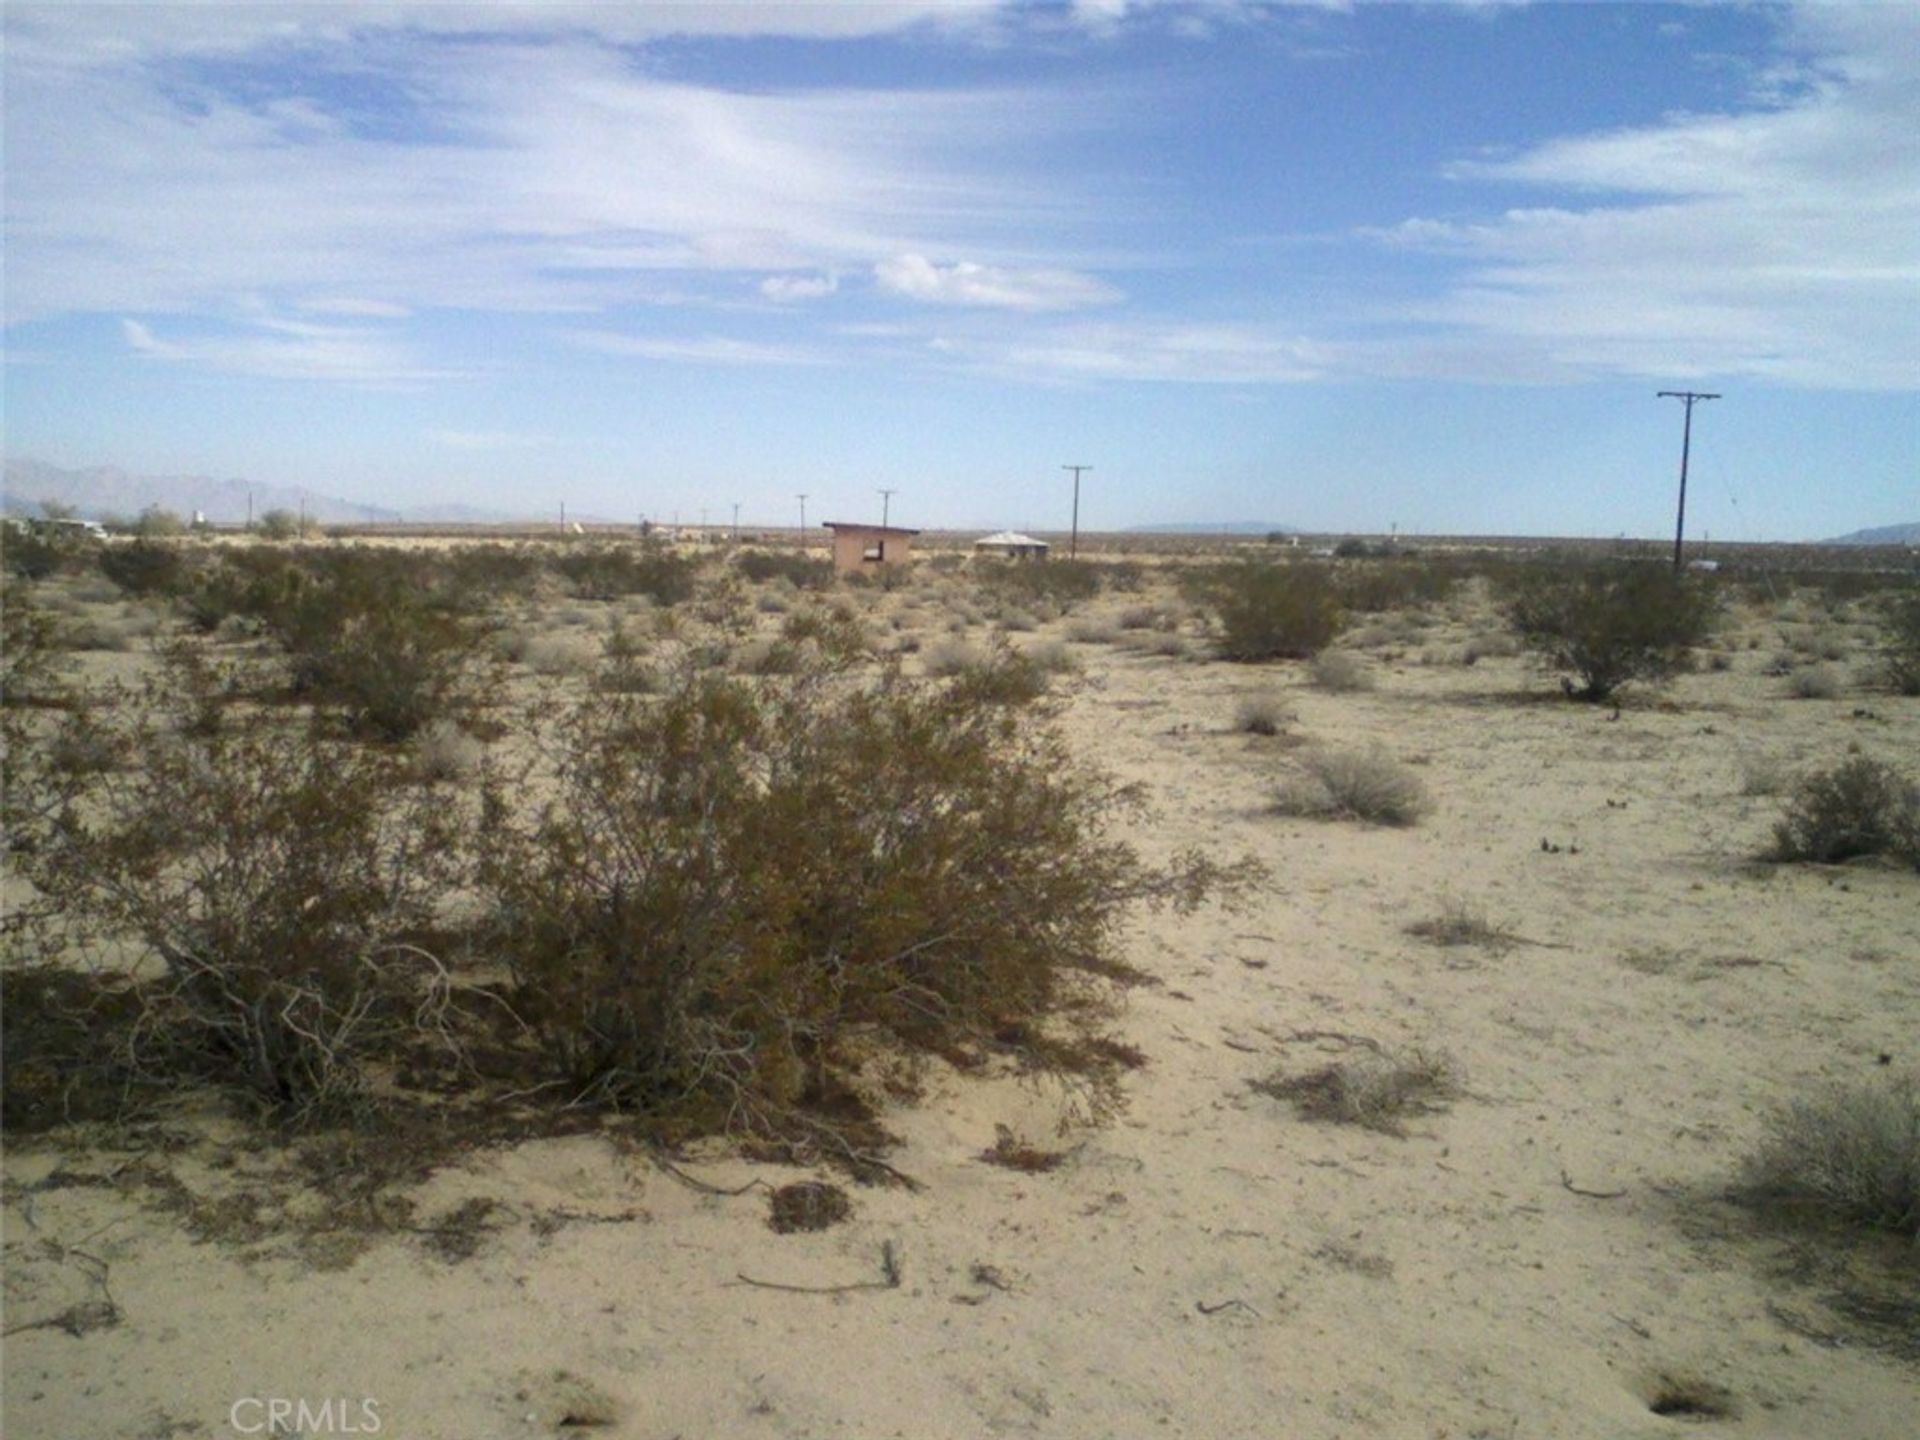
1687 398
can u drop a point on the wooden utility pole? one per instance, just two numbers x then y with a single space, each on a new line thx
886 500
1073 544
1686 397
802 498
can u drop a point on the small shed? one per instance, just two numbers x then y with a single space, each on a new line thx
1011 544
858 548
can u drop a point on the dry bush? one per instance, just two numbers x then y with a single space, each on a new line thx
284 884
610 571
1093 630
1265 712
1273 612
1859 807
144 567
741 888
559 654
1354 785
443 751
1341 672
1608 624
1815 682
950 657
1849 1154
803 572
1900 647
1375 1089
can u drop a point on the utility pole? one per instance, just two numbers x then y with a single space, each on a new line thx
886 499
736 522
802 498
1073 545
1685 397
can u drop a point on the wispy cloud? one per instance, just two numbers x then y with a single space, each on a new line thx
798 287
969 283
287 350
701 350
1776 242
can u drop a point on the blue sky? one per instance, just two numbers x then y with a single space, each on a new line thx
1347 267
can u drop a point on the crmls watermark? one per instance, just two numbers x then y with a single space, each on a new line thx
279 1415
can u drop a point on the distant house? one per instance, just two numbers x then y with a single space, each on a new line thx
1011 544
862 548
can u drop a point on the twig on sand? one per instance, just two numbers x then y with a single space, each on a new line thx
889 1270
1235 1304
1566 1183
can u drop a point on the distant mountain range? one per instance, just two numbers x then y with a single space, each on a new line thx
107 490
1882 535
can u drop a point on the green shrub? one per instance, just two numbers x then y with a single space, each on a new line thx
742 886
144 567
1849 1154
1029 581
1858 807
803 571
608 572
370 641
1609 624
1273 611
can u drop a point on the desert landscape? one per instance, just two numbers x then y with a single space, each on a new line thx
1440 1107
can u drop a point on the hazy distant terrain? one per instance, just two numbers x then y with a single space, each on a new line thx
1908 534
106 490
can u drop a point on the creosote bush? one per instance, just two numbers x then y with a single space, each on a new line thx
744 887
1608 624
284 885
1849 1154
1856 808
1900 654
1273 611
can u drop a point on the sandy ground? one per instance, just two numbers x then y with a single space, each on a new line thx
1207 1263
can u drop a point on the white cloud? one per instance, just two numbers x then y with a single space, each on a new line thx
287 350
799 287
699 350
969 283
1146 350
1781 242
505 175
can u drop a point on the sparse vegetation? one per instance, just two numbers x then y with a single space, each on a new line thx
1376 1089
1857 808
1609 624
1274 611
1848 1154
1341 672
1266 712
1354 785
1900 656
739 887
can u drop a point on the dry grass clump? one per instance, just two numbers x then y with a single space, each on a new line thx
1462 923
1346 784
1815 682
559 654
950 656
1093 630
1341 672
1265 712
1849 1154
1857 808
1376 1089
444 751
